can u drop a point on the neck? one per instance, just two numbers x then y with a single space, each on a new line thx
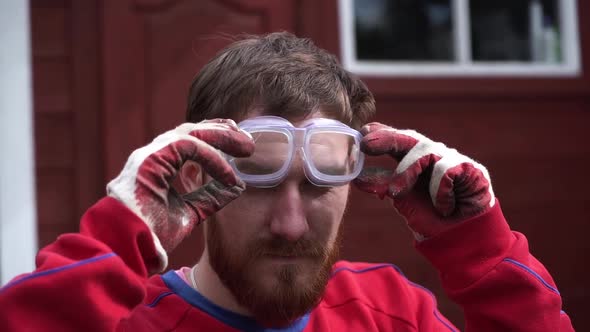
211 287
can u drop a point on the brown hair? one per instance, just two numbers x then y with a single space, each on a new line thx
277 74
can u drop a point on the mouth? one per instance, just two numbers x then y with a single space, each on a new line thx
284 256
285 259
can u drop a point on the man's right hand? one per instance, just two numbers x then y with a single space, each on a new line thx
145 184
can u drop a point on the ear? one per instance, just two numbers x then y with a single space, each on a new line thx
191 177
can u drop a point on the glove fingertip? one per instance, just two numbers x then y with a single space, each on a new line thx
371 127
233 141
374 180
371 144
246 133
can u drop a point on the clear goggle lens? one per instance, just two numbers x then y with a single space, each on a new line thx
271 152
333 154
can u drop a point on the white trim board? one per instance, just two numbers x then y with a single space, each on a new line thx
18 225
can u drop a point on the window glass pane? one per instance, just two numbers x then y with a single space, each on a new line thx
407 30
508 30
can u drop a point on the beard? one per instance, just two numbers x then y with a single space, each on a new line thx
295 289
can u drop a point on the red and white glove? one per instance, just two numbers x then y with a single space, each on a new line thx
433 187
145 184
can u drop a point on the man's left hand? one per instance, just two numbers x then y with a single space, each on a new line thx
433 187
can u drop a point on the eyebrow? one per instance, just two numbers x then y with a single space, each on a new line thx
246 165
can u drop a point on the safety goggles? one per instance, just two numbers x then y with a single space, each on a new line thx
329 150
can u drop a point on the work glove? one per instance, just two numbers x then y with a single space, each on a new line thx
433 187
145 184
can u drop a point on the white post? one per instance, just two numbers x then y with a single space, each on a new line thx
18 230
347 36
462 32
570 39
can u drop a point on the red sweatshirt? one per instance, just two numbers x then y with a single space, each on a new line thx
97 280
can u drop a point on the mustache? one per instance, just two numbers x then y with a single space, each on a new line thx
278 246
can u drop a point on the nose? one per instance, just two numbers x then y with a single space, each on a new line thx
288 219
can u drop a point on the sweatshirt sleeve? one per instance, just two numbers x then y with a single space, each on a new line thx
86 281
488 270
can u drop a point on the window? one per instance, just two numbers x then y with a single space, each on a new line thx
460 37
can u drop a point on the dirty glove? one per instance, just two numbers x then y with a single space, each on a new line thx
433 187
145 184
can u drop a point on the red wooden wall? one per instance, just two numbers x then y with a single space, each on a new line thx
68 129
110 75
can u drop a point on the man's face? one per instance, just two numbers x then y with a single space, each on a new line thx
273 248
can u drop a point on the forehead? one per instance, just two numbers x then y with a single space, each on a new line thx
296 121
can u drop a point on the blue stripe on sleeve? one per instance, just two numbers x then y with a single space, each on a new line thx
371 268
57 269
435 312
161 296
533 273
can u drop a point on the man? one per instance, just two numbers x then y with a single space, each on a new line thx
271 194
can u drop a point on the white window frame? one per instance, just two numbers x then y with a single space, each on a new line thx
463 65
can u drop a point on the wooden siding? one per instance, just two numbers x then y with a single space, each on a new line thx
109 76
